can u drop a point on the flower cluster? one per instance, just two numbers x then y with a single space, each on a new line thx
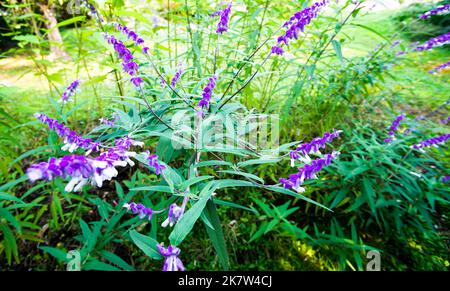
224 18
177 76
312 147
446 121
446 178
153 162
72 141
109 122
434 42
297 24
171 261
440 67
442 9
129 33
207 93
435 141
70 91
175 213
308 171
128 64
394 127
139 209
83 170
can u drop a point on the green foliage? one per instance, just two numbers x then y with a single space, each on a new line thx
366 200
407 21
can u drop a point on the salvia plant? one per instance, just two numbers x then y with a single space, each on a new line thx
198 142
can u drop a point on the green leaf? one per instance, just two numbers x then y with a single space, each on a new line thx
338 49
9 217
257 162
247 175
116 260
231 204
159 188
69 21
6 196
9 243
216 234
59 254
99 266
146 244
213 163
296 195
194 180
187 221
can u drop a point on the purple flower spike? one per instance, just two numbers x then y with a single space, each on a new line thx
308 171
130 34
153 162
171 262
139 209
434 42
72 141
177 76
435 141
438 10
175 213
224 18
312 147
394 127
296 24
277 50
446 121
70 91
440 67
445 179
207 93
128 65
83 170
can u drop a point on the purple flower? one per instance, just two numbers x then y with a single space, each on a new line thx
108 122
139 209
394 127
171 262
130 34
175 213
72 141
435 141
308 171
224 18
312 147
177 76
207 93
296 24
446 178
277 50
442 9
446 121
434 42
128 65
153 162
440 67
70 91
83 170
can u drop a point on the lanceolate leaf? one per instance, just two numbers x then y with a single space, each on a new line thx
146 244
216 234
186 223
